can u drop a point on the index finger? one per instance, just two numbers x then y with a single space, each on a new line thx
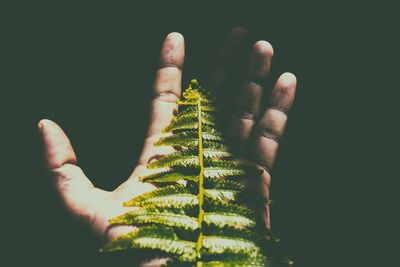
167 84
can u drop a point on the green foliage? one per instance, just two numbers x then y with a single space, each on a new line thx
195 215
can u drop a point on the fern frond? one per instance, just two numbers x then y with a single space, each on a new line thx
218 245
163 191
154 237
222 163
196 215
209 144
232 208
218 172
195 91
187 139
188 124
232 232
216 183
151 215
205 107
216 153
221 195
182 139
189 158
233 263
174 200
184 158
168 176
222 168
159 192
228 220
192 113
127 241
192 110
211 135
229 259
184 124
169 196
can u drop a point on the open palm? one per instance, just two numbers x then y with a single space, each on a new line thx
255 137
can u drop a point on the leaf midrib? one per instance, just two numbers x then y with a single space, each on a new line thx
201 180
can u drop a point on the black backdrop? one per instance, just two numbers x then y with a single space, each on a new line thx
89 66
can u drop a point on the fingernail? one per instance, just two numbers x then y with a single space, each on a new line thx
40 125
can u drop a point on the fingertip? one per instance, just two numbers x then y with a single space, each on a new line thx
287 79
264 48
173 51
58 149
47 126
238 33
43 122
40 125
260 61
284 92
289 75
174 37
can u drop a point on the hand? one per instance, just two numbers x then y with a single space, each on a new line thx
259 138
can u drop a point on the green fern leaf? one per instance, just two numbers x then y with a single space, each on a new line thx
219 245
160 192
231 263
221 195
216 153
154 237
184 124
170 196
218 172
180 158
187 124
127 241
216 183
174 200
248 234
181 139
206 107
228 220
232 208
197 215
168 176
189 139
151 215
187 158
227 164
192 112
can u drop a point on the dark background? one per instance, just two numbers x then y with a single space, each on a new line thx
89 66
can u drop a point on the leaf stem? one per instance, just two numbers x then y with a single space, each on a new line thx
201 182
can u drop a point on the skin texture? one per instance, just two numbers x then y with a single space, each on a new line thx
254 132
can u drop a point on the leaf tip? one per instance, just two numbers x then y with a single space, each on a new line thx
289 261
128 203
194 82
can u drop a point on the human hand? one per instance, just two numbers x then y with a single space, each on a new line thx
254 137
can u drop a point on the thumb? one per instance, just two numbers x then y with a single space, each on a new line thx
57 147
74 188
